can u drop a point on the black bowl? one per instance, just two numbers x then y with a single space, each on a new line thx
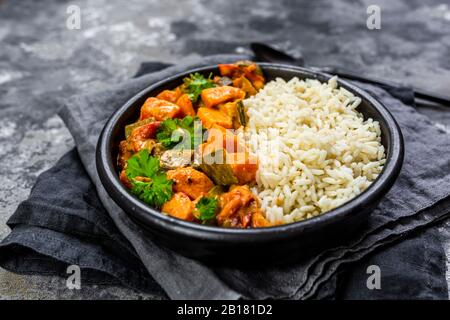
278 243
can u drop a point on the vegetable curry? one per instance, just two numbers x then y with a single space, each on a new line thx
165 159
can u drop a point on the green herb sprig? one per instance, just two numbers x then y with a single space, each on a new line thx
195 84
207 209
148 182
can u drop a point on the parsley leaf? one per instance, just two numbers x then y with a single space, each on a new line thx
142 164
195 84
207 208
173 131
148 182
155 192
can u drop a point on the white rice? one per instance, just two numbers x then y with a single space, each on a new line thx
315 150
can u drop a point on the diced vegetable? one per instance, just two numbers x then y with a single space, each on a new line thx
244 167
185 103
230 109
176 158
190 181
210 117
129 128
243 83
215 96
228 70
170 95
215 166
159 109
180 206
139 137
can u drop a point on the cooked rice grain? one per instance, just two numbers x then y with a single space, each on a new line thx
315 150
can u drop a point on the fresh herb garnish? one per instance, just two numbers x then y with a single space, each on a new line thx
142 164
195 84
148 182
173 131
206 209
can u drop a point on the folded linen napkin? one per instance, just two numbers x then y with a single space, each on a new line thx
419 198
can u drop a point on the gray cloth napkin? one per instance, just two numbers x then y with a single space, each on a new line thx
419 198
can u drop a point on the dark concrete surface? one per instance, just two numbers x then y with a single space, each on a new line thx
41 61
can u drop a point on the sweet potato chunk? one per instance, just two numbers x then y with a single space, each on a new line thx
170 95
179 206
211 97
185 103
190 181
159 109
209 117
244 166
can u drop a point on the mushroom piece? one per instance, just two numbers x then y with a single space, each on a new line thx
176 158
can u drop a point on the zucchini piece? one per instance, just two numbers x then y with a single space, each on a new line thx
242 116
129 128
215 167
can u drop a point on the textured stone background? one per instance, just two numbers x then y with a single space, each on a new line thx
42 61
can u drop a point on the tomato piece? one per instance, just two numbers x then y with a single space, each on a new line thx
140 135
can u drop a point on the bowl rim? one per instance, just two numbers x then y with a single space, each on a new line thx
147 215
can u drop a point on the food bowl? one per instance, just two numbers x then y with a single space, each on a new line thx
273 244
